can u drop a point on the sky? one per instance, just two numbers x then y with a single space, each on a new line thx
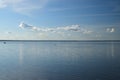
59 19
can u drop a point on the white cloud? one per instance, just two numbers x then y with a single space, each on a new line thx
58 33
23 6
87 32
110 29
8 32
65 32
2 5
5 3
23 25
71 28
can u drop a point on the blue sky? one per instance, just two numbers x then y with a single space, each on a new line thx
60 19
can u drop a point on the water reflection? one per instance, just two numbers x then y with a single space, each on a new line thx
21 54
112 49
59 61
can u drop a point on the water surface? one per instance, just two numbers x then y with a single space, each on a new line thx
60 60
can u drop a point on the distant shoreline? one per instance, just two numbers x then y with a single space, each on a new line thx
59 40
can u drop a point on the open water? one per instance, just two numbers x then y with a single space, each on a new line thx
59 60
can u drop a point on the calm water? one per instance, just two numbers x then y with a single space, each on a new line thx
60 61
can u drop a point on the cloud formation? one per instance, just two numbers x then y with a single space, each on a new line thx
8 32
111 29
23 6
75 28
23 25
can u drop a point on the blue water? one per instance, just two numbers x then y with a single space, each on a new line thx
60 61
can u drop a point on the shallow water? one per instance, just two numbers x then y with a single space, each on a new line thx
60 61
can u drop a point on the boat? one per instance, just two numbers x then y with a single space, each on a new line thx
4 42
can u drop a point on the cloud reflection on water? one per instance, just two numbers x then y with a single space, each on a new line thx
21 54
47 60
112 49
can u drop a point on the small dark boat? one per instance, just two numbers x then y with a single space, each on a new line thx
4 42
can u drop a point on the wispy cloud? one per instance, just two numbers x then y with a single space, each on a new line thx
23 6
66 28
71 28
8 32
23 25
110 29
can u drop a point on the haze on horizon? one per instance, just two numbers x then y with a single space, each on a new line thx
59 19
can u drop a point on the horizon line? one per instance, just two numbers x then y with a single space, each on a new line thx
61 40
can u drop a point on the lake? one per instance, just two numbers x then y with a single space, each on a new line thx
59 60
